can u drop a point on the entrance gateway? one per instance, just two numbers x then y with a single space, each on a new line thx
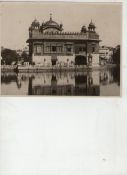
54 59
80 60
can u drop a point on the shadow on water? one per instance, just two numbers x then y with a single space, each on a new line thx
116 75
66 83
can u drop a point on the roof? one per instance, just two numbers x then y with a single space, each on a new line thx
51 24
35 22
91 24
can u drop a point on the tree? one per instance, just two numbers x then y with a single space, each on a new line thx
8 56
25 56
116 55
2 62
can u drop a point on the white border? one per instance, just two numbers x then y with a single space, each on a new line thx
26 114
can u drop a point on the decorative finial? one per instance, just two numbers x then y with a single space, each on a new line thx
50 16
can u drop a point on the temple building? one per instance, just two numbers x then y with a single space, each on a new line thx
49 45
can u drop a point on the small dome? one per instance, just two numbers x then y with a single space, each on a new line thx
35 23
92 25
83 29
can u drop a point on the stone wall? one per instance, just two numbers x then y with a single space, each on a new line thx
46 60
63 60
91 45
66 59
95 59
42 60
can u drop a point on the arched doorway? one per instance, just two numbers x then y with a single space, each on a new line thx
80 60
53 62
53 59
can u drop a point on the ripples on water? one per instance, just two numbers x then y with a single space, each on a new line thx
92 83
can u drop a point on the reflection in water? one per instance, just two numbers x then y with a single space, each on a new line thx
30 86
93 83
109 77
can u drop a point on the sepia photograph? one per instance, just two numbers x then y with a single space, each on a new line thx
63 88
61 48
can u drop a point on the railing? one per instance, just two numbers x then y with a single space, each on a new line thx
54 36
65 35
8 66
93 35
51 66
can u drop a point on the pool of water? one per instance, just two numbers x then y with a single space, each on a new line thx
92 83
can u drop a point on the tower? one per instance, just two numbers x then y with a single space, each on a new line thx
91 27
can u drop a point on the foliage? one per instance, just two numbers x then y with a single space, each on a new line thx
116 55
25 56
8 56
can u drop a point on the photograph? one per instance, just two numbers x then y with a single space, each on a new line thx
61 48
63 88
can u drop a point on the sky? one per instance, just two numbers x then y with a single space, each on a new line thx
16 17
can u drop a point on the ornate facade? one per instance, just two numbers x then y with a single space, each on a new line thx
49 45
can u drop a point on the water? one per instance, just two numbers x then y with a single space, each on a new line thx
93 83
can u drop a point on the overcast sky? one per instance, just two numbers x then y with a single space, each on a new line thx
17 17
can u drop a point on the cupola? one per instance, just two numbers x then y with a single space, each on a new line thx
92 26
83 29
35 24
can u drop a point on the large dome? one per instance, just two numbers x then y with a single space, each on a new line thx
51 24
